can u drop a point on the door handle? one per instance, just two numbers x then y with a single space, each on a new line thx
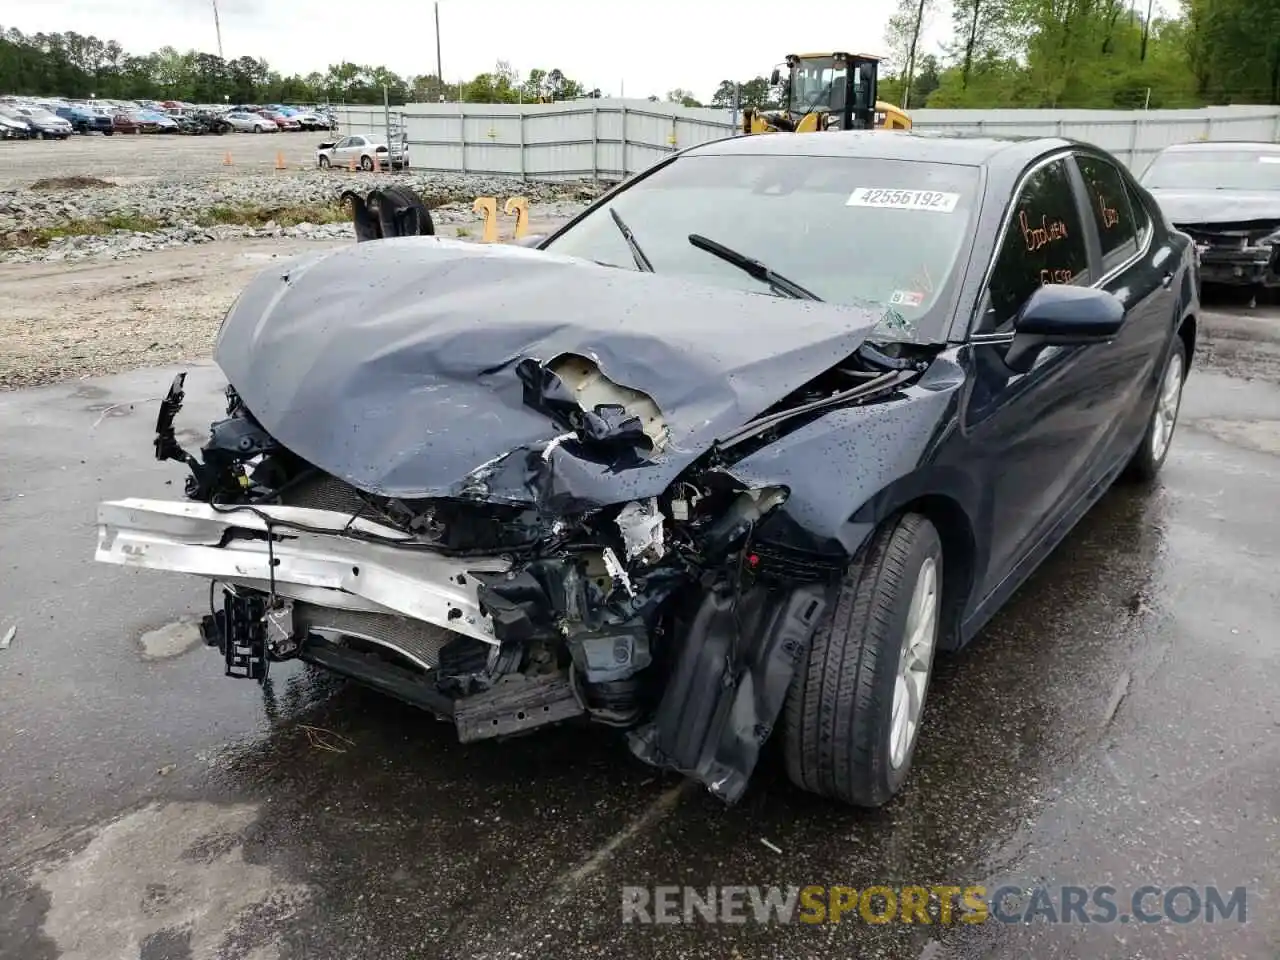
1166 281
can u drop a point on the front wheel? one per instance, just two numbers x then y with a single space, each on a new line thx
855 705
324 163
1151 454
366 163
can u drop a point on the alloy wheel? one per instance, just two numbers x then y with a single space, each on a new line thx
914 663
1165 417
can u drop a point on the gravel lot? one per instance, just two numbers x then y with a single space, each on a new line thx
106 314
94 197
140 158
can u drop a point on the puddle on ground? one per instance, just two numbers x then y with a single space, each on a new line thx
1260 435
171 640
167 881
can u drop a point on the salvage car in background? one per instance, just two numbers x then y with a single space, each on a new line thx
283 121
314 121
735 450
84 119
122 121
251 123
1226 196
13 125
45 125
367 153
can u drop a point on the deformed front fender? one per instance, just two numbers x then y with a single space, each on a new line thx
848 470
733 666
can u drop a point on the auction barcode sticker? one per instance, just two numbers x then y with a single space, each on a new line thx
904 199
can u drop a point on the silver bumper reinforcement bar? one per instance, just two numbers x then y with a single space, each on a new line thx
327 567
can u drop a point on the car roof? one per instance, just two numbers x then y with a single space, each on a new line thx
924 146
1222 146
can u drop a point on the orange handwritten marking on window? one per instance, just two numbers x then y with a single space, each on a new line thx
1110 215
1049 231
1056 276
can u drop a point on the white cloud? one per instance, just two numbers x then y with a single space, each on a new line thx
644 48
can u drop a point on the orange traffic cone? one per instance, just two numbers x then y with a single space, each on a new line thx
226 161
280 164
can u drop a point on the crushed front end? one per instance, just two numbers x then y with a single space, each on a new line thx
1238 254
509 542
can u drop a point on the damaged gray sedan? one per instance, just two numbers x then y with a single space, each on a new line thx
737 450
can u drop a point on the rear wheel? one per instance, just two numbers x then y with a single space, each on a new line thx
1151 454
855 705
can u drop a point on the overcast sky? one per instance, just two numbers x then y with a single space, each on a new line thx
649 47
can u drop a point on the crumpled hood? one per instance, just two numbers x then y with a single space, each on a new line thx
393 365
1206 207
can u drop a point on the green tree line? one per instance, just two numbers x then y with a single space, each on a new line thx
1074 53
71 65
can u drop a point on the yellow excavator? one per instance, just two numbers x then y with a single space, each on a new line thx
827 91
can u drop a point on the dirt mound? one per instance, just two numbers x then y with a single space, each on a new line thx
70 183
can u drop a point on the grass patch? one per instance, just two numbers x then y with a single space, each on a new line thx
289 216
43 236
71 183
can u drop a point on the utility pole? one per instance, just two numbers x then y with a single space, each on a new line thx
439 63
217 25
911 57
1146 31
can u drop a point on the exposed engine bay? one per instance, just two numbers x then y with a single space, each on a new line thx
509 595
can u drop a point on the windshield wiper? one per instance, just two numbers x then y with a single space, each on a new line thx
642 262
754 267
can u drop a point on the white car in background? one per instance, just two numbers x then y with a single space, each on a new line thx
368 153
314 121
251 123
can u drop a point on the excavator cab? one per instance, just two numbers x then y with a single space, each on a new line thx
827 91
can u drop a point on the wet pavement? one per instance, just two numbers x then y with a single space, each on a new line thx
1118 723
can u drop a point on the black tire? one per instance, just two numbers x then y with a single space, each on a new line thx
324 163
1147 460
838 719
107 133
366 163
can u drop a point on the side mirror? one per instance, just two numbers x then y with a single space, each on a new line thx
1059 315
775 78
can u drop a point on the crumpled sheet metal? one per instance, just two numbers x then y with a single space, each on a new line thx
393 365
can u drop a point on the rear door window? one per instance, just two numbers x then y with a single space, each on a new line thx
1112 214
1044 243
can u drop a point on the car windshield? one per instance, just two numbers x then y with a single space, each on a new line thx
1242 169
885 233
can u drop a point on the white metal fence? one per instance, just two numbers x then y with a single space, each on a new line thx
613 139
600 139
1134 136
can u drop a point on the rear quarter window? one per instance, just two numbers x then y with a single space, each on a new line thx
1111 209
